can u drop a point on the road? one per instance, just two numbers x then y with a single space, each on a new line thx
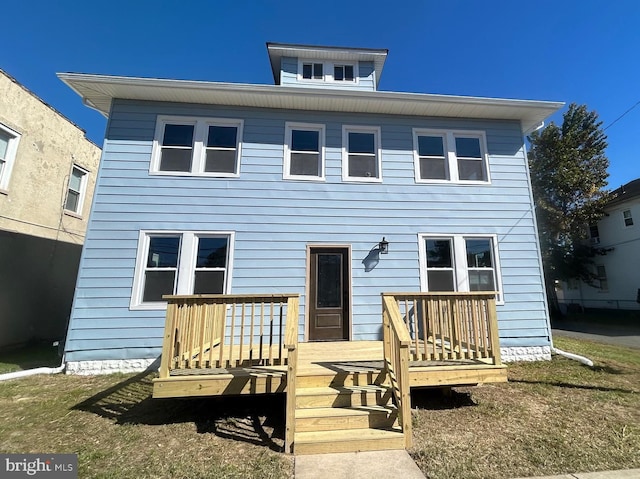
620 335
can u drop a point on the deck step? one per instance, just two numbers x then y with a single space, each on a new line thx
348 440
359 417
342 396
340 378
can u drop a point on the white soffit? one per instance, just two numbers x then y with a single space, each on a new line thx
98 91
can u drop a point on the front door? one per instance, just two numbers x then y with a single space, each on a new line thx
328 293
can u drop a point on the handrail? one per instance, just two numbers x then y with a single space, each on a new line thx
291 343
451 325
226 331
396 343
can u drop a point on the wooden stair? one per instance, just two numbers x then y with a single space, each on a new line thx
345 413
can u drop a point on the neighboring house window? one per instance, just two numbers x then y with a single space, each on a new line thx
594 234
628 219
343 73
180 263
456 156
601 274
304 152
312 71
361 159
459 263
197 146
76 190
8 146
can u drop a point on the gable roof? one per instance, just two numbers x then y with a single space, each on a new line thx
315 52
626 192
98 91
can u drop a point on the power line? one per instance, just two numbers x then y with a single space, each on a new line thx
620 117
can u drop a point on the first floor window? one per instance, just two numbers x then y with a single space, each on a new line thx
181 263
197 146
628 219
304 155
361 159
8 146
76 190
601 274
459 263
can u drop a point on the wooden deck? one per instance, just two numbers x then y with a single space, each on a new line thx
341 396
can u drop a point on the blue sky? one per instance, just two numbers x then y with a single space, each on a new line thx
562 50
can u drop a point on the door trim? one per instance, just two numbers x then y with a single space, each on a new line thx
307 286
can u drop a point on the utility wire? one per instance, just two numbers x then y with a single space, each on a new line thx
620 117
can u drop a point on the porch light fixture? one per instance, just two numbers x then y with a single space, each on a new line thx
383 246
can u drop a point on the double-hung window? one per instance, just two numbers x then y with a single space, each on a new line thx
459 263
304 152
454 156
627 218
197 146
181 263
601 274
361 158
8 146
76 190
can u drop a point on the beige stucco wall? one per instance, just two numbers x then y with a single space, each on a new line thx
49 145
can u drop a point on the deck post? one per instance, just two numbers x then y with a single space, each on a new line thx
291 343
167 343
493 331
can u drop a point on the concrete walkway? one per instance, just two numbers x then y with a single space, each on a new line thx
398 464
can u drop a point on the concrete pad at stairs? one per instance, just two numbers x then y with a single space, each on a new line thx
354 465
625 474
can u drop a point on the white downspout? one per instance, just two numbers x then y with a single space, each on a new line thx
32 372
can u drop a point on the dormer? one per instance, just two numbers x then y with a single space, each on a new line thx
311 66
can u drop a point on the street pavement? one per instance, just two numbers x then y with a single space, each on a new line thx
627 335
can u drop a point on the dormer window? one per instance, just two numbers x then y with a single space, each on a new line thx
312 71
343 73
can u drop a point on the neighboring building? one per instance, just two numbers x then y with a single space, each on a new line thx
47 175
617 234
211 187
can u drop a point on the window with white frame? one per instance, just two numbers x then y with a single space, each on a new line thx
304 151
76 190
343 73
312 71
181 263
627 218
197 146
8 146
456 156
459 263
361 158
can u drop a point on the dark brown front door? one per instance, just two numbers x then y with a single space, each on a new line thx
329 294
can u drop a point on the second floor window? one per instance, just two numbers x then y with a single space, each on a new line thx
8 146
628 219
194 146
76 190
361 159
304 151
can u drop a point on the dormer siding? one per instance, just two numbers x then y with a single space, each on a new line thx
291 75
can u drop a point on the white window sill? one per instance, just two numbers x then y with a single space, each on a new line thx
72 214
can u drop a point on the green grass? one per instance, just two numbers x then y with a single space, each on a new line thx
552 417
32 356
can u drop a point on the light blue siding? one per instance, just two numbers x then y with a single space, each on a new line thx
274 220
289 77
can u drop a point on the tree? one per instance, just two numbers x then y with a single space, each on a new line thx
568 175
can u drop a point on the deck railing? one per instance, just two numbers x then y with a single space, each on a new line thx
226 331
450 326
396 343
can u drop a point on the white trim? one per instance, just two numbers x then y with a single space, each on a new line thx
375 130
451 157
198 153
624 220
10 156
185 269
82 192
286 168
460 269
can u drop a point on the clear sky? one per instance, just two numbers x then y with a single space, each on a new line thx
581 51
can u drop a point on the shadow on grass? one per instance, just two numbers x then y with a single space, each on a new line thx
256 419
585 387
33 355
440 398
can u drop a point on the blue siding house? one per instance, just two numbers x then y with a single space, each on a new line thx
320 185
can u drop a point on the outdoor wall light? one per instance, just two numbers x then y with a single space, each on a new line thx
383 246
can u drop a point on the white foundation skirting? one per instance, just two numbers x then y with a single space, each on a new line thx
526 353
90 368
